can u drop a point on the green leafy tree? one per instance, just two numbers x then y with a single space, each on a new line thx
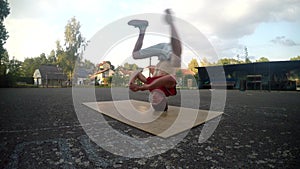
60 55
262 59
88 64
4 58
43 59
228 61
134 66
192 66
52 58
73 40
29 65
295 58
4 62
14 67
12 73
128 66
4 65
64 62
59 48
118 80
4 12
247 60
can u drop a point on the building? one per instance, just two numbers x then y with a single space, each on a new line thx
185 78
103 73
279 75
49 75
102 76
81 77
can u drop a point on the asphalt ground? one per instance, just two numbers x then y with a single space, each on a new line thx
40 129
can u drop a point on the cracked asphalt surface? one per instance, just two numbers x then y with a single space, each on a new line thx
40 129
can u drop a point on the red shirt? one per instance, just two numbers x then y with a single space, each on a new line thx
168 91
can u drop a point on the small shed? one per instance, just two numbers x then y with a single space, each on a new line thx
49 75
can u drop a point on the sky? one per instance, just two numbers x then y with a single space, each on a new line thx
267 28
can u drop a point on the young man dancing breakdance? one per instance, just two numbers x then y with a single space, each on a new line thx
162 84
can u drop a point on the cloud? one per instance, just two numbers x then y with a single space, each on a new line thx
237 18
282 40
230 21
223 22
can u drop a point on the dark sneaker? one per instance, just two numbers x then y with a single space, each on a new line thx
138 23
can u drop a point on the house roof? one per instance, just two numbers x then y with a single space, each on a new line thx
52 72
187 72
83 73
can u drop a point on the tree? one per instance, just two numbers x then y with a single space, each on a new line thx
12 73
31 64
62 60
4 61
247 60
88 64
52 58
4 12
73 40
133 66
28 67
127 66
192 65
14 67
227 61
60 55
43 59
59 48
205 62
262 59
295 58
117 79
